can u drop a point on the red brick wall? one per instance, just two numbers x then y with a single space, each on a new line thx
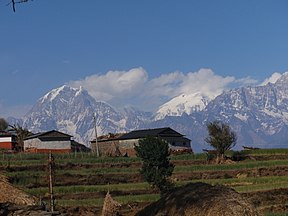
34 150
5 145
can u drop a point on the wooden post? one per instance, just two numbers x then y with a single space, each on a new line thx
96 141
51 178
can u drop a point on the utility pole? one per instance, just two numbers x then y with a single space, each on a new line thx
96 141
51 166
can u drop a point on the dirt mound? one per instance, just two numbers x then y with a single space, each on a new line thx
11 194
201 199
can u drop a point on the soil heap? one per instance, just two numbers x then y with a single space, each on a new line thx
201 199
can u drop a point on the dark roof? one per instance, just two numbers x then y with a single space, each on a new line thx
52 133
156 132
79 147
7 133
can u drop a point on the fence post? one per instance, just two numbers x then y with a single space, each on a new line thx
51 165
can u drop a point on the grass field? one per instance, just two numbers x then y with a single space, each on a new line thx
28 171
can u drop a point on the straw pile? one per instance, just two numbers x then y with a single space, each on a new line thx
200 199
110 206
11 194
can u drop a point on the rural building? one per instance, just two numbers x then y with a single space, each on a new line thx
78 147
124 144
7 141
53 141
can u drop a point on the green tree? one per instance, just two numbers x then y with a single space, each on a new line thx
3 124
221 138
21 134
156 166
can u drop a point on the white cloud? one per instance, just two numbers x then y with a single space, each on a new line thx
134 87
174 84
165 85
206 82
246 81
272 79
114 84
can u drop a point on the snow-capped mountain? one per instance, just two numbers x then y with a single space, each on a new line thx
135 118
259 115
184 103
71 111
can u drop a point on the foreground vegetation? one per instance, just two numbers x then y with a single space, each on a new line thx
28 171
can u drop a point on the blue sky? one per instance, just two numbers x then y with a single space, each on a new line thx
126 45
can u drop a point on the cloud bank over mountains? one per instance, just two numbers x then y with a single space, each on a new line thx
272 79
135 88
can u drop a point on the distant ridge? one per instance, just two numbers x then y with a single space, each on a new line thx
259 115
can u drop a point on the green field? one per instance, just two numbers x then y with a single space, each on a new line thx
29 172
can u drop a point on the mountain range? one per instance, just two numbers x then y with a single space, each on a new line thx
258 115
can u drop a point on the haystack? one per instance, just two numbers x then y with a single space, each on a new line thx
11 194
110 206
201 199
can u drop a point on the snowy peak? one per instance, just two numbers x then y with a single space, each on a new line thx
62 92
184 103
259 115
283 80
71 111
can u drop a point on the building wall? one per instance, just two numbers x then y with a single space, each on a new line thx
31 143
108 148
127 146
116 147
173 141
36 145
6 143
128 143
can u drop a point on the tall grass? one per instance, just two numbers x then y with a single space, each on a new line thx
251 181
234 166
241 185
90 188
275 151
198 156
24 159
98 202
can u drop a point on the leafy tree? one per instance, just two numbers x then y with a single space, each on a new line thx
156 166
3 124
221 138
21 134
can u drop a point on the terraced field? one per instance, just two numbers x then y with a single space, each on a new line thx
82 180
